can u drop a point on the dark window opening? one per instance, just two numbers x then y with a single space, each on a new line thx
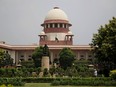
22 55
82 56
50 25
56 25
22 59
6 51
64 25
29 56
46 25
29 59
89 56
60 25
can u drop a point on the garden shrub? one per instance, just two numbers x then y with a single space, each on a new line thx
12 81
38 80
55 83
3 85
86 82
18 72
113 74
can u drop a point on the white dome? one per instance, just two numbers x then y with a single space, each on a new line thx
56 13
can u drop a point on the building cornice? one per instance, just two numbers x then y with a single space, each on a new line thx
51 47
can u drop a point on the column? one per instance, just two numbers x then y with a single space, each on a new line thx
25 56
62 25
86 55
51 57
16 58
58 25
48 25
45 26
53 25
78 54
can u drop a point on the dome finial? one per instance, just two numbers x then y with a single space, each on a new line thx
56 7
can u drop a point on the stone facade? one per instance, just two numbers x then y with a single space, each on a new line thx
56 34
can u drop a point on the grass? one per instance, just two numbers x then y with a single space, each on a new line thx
48 85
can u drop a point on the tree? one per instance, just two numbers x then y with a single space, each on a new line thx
37 56
5 59
38 53
104 44
66 58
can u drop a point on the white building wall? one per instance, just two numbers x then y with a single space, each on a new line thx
60 36
12 53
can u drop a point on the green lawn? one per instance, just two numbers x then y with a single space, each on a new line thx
48 85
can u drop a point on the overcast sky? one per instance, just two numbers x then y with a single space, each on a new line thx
20 20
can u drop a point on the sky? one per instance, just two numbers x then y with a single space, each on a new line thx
20 20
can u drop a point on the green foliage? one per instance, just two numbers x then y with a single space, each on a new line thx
38 80
84 82
5 59
45 72
21 72
37 56
52 71
38 53
113 74
71 72
104 44
27 64
66 58
12 81
59 72
81 66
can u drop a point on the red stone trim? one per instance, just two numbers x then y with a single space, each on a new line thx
56 30
56 42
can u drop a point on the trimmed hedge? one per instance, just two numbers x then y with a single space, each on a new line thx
38 80
91 81
12 81
49 80
85 82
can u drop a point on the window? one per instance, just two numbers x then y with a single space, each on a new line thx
56 25
64 25
22 55
29 59
50 25
22 59
6 51
60 25
29 56
46 25
81 56
89 56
